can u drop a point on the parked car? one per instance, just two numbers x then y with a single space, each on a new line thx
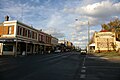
57 51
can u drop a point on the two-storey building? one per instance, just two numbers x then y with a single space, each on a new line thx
18 38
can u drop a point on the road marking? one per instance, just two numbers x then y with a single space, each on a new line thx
83 71
84 61
82 76
83 67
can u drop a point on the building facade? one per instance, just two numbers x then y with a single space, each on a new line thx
103 41
17 38
66 45
54 42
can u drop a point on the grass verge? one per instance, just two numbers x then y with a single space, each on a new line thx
110 55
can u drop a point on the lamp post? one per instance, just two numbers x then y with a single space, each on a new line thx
88 36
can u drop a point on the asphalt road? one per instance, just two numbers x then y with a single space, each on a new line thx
62 66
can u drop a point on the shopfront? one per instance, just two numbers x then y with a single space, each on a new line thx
7 47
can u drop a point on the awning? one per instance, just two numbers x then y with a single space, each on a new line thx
93 44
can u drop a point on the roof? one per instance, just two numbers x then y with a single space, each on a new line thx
104 31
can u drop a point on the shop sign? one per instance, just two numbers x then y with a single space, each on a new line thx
105 35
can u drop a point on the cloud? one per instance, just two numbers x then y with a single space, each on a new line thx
92 31
100 9
97 13
36 1
55 20
54 32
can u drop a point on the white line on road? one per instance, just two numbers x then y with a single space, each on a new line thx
82 76
84 61
83 67
83 71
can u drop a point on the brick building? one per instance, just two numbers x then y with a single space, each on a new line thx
17 38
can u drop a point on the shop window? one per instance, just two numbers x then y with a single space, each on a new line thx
28 48
18 48
7 47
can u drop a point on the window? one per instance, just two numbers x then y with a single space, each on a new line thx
9 30
7 47
42 38
20 31
32 34
23 31
35 35
26 32
29 33
39 37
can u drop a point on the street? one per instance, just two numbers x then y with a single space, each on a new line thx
59 66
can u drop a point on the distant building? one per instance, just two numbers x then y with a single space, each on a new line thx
66 45
54 42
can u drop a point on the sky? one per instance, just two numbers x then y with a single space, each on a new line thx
63 19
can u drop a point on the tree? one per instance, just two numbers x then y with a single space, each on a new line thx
112 25
105 27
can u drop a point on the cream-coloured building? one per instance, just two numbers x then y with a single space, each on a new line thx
103 41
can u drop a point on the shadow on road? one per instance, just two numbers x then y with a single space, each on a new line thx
101 68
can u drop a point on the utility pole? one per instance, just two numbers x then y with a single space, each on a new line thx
22 13
88 35
88 32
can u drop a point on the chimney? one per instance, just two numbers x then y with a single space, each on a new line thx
7 18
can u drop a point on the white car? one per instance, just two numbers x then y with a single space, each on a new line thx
83 51
57 51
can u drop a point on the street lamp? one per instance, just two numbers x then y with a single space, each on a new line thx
88 36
